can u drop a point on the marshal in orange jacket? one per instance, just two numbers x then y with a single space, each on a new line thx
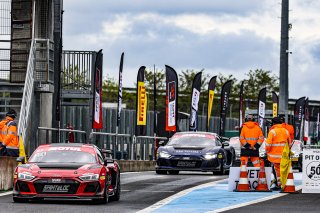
251 134
288 127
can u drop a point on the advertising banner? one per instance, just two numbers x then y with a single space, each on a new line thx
306 120
311 171
275 103
241 108
141 108
298 115
171 99
211 87
225 93
97 94
195 96
120 90
262 106
253 175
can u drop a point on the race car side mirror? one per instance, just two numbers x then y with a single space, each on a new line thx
225 143
161 143
21 160
108 161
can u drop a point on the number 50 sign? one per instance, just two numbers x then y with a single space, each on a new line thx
311 171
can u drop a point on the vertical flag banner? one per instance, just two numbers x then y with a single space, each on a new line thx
120 90
306 120
241 109
262 106
318 127
211 87
141 109
171 99
298 115
195 96
275 104
225 94
97 99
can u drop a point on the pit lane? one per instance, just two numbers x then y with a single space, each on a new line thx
139 190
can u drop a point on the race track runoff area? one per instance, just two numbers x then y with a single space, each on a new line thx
214 197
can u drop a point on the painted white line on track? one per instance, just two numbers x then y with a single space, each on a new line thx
252 202
5 193
178 195
126 173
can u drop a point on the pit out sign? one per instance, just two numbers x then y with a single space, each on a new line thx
311 171
253 176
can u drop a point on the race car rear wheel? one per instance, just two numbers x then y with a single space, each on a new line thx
173 172
19 200
161 172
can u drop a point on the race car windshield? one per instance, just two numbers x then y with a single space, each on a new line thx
192 141
62 157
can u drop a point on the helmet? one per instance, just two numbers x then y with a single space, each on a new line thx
276 120
282 117
11 113
249 117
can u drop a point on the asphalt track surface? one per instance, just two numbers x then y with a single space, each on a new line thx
139 190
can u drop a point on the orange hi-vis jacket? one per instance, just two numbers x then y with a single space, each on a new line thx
11 139
2 130
276 141
251 134
288 127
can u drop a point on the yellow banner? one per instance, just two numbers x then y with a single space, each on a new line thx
210 101
22 152
142 104
274 110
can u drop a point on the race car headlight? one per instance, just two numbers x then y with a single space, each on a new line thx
89 177
25 176
209 156
164 155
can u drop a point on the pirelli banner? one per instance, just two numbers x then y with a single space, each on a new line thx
171 99
275 103
211 87
141 104
97 99
195 97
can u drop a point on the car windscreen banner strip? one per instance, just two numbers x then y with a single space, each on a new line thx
225 94
97 94
171 99
306 120
120 91
275 103
141 104
195 96
211 87
298 114
262 106
241 113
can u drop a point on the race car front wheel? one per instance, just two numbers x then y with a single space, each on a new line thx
19 200
161 172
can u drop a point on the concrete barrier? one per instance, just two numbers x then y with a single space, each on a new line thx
8 164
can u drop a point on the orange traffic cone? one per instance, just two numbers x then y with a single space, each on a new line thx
262 181
289 187
243 184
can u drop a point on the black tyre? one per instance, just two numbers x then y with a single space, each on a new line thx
105 199
173 172
19 200
116 196
161 172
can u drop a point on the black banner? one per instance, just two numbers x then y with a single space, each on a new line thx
195 97
262 106
171 99
318 125
306 120
241 108
97 94
141 104
211 87
275 104
298 115
120 91
225 94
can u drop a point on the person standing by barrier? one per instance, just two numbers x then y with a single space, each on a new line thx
287 126
251 138
2 135
10 144
278 136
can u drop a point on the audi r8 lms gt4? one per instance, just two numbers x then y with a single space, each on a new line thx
67 171
195 151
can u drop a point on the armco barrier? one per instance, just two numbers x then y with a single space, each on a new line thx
8 164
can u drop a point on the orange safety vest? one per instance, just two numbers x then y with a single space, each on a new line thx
2 130
11 137
288 127
277 138
251 133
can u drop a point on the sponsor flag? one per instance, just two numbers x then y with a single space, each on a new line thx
306 120
298 114
211 87
241 109
97 94
171 99
141 109
120 90
195 96
22 152
318 127
275 103
225 94
262 106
